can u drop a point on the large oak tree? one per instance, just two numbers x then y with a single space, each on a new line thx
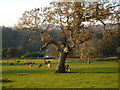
72 20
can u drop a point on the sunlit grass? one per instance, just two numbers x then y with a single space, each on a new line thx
96 75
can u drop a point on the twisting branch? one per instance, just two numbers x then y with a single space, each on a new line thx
97 12
51 42
45 45
103 23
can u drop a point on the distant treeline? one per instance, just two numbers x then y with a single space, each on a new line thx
16 43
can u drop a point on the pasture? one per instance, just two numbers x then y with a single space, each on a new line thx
98 74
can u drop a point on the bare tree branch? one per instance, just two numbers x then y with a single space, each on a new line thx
51 42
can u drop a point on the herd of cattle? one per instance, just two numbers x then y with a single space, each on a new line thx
48 63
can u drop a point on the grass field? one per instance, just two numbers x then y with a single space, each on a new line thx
96 75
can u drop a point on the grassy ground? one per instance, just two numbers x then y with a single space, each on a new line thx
96 75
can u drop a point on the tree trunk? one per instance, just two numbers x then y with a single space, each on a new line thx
61 64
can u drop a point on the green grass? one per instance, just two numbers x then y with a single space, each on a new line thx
96 75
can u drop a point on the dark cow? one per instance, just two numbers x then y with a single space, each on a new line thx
17 61
39 65
47 62
28 63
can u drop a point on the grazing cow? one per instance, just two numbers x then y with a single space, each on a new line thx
49 66
10 63
39 65
47 62
31 65
17 61
28 63
25 63
67 67
89 62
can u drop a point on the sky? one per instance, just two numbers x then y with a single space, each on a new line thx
11 10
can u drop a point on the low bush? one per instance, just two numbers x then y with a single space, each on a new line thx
33 55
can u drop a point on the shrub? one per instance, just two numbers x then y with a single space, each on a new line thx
33 55
12 52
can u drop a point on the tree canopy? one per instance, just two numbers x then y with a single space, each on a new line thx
72 18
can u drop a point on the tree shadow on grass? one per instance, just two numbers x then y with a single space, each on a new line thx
74 70
5 80
96 70
27 71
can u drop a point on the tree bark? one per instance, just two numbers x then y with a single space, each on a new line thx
61 64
